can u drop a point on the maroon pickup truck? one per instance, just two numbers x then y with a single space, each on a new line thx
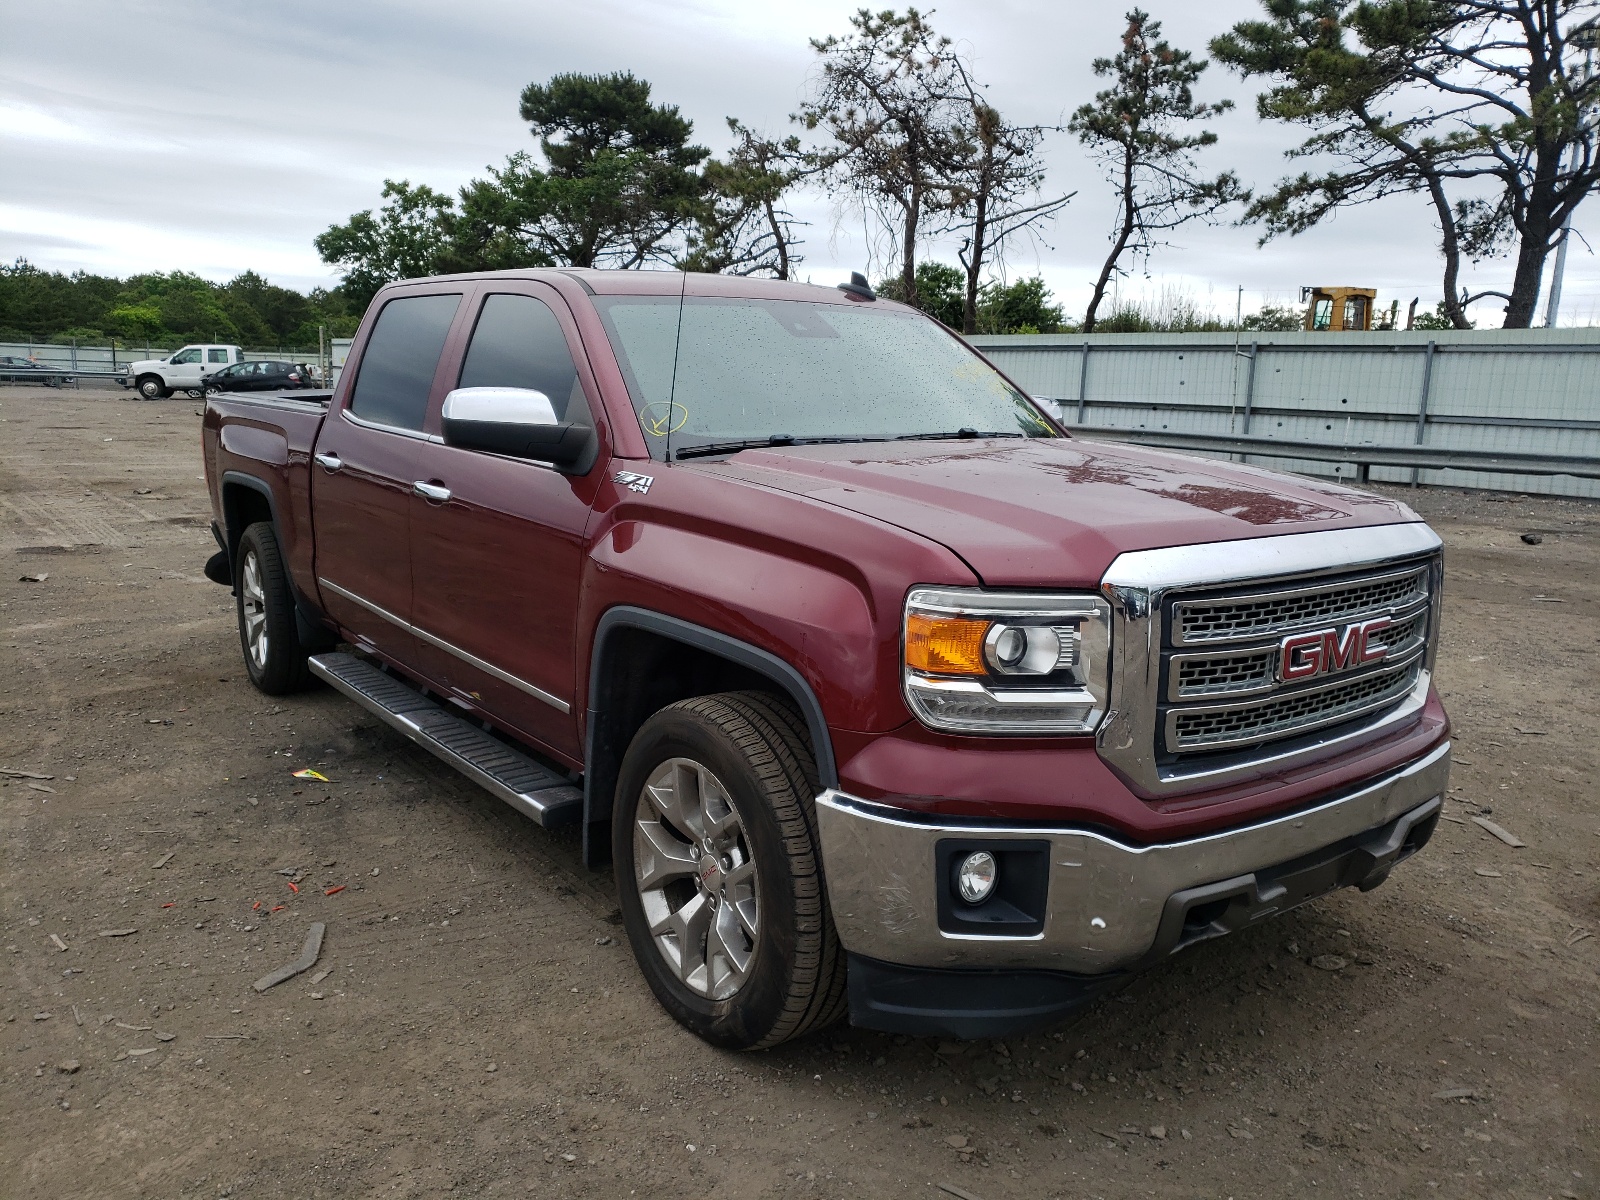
882 696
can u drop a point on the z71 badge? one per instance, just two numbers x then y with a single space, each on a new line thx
634 483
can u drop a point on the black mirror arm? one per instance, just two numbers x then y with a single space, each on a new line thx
561 445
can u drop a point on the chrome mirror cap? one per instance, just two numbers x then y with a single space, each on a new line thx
502 405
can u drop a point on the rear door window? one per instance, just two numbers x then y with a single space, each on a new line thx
518 343
397 367
220 356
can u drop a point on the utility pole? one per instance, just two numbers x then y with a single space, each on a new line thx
1586 35
1553 306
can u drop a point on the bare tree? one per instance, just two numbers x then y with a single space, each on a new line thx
1134 129
744 228
994 191
891 95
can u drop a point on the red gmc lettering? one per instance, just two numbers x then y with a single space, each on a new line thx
1306 655
1370 653
1343 649
1301 656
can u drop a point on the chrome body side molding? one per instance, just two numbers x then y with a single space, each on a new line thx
488 668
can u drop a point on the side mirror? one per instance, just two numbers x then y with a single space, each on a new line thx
519 422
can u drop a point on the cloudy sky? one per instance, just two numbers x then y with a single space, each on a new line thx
218 136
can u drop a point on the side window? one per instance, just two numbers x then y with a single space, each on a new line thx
396 370
220 356
518 343
191 355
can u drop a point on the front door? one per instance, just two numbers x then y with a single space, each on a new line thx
185 367
498 549
363 467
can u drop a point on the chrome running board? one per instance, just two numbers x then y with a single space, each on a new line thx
531 789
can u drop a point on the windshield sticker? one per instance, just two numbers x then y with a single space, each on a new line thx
634 483
655 418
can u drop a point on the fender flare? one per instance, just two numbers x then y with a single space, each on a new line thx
309 622
598 785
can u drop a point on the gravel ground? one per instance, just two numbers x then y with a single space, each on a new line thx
475 1024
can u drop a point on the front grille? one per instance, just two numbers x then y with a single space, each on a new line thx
1244 724
1220 674
1220 659
1215 674
1280 611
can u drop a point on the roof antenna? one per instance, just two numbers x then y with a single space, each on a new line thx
858 286
677 344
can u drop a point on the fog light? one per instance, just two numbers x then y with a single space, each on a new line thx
977 876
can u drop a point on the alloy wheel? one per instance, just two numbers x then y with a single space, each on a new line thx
696 878
253 603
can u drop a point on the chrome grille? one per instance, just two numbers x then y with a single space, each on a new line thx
1214 674
1198 639
1246 724
1235 619
1222 674
1221 653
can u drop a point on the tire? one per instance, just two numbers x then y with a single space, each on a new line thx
273 655
152 388
743 763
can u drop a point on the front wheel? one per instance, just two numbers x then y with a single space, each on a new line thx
151 388
718 871
273 656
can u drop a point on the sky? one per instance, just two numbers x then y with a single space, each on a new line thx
215 137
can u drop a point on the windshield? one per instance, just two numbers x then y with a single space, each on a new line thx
778 371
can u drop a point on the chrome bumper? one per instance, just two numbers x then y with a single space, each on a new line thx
1106 900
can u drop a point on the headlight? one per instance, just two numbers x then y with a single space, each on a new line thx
1006 662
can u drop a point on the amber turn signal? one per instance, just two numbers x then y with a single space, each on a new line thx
945 645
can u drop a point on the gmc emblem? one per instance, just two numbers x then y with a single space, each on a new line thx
1328 651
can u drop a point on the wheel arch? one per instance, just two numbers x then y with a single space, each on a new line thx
643 660
247 499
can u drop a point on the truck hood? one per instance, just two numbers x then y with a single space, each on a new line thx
144 364
1056 511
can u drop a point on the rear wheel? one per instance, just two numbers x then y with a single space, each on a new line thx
719 874
151 388
273 655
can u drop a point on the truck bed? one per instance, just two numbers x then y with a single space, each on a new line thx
258 465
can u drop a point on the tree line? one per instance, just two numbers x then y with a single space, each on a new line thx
166 310
1479 110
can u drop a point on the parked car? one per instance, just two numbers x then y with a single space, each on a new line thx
15 369
270 375
882 695
182 371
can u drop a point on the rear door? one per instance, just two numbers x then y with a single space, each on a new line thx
363 467
498 548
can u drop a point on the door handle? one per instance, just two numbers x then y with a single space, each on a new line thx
431 491
331 461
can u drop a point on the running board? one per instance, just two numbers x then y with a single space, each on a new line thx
531 789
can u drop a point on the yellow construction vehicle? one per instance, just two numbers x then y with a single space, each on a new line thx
1330 309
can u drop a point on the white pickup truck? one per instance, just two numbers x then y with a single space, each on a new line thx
158 378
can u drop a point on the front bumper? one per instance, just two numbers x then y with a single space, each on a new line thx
1108 907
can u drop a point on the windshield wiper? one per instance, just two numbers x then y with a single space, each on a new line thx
964 433
776 439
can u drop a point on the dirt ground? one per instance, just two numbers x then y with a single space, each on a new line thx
476 1025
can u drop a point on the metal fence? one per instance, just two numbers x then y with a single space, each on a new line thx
106 361
1525 395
